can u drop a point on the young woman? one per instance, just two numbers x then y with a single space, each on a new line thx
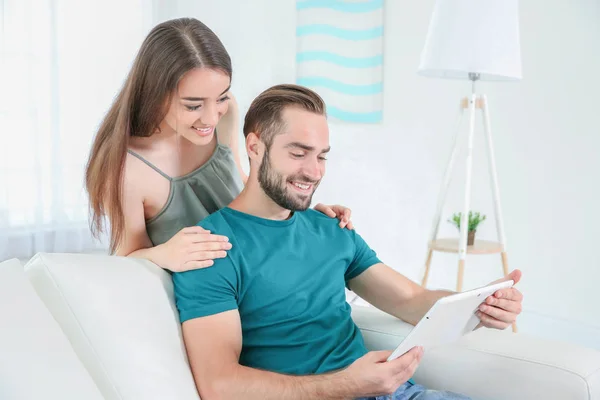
166 154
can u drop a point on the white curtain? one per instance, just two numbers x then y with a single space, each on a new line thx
62 62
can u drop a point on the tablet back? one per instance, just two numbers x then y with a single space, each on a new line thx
448 320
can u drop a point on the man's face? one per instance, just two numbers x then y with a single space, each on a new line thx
292 168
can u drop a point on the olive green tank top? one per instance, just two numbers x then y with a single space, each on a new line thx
194 196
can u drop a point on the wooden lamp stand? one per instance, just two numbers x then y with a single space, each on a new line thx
459 245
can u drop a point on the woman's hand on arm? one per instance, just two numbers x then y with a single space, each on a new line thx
191 248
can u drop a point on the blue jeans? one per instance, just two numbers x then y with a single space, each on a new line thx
410 391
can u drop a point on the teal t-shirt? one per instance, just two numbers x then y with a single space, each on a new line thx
287 280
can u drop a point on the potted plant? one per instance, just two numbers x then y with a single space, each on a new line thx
474 220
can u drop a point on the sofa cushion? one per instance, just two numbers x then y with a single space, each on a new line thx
493 364
120 317
37 361
515 366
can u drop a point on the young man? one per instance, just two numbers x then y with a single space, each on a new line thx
270 321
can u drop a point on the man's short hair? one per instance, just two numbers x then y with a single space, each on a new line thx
264 115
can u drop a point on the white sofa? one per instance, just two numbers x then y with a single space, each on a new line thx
77 326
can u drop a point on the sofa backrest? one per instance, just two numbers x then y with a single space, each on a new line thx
120 317
36 358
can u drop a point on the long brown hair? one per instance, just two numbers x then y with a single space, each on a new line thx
171 49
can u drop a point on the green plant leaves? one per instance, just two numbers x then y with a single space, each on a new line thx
474 220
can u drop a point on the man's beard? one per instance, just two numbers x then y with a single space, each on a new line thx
274 185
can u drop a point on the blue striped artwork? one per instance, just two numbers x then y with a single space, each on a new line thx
348 34
349 62
342 5
339 54
340 87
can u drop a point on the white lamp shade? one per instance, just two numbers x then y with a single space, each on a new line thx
473 36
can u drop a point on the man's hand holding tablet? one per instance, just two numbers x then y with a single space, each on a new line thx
494 306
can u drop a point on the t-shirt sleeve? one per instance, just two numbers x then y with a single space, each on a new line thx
206 291
364 257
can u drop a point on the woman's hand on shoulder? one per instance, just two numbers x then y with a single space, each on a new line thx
191 248
336 211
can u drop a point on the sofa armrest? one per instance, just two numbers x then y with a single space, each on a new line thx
492 364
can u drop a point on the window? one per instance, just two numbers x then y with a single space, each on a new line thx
63 61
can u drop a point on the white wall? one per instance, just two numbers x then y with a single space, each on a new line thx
546 134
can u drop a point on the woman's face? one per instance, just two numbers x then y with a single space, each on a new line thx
198 105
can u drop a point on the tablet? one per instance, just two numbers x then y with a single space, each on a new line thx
448 320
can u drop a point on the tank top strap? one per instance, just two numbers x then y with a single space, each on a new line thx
148 163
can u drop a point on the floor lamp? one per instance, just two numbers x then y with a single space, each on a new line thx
473 40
